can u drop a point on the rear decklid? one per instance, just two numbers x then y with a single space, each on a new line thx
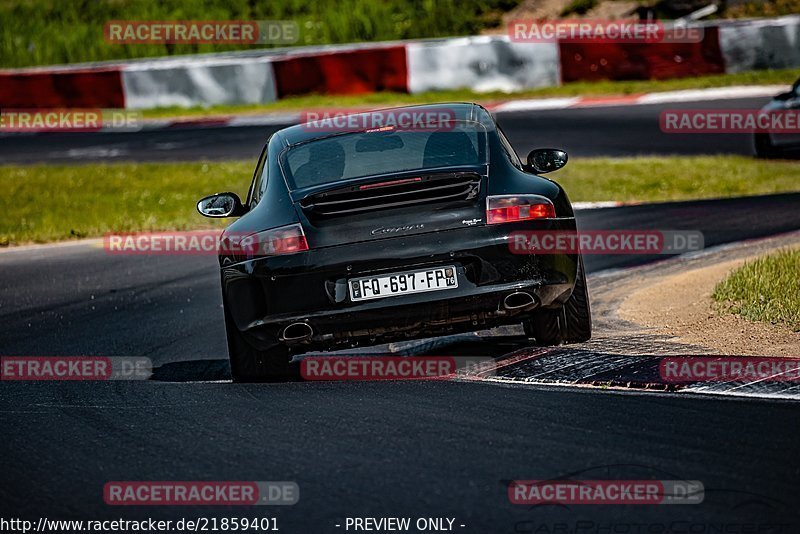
398 205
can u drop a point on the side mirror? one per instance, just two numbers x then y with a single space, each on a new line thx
221 205
544 160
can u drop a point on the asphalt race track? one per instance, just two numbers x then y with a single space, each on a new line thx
406 448
598 131
437 448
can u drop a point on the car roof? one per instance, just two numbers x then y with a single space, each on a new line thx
299 133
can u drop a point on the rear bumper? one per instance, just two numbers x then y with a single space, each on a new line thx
266 295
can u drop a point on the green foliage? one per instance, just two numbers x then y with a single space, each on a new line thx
43 32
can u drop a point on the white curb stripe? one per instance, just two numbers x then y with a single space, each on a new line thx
713 93
688 95
536 104
267 120
581 206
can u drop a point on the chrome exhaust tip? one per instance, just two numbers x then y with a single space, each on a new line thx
297 332
518 300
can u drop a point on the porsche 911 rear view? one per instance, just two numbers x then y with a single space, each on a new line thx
373 235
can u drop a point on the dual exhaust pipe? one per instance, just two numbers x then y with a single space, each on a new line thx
298 332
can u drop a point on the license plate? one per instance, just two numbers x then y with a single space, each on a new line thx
390 285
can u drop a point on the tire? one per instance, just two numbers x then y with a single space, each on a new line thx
763 146
572 323
251 365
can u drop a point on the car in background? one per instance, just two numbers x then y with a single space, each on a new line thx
367 236
771 145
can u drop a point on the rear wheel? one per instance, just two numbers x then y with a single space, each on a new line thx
572 323
251 365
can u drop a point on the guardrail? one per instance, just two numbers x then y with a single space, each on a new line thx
483 63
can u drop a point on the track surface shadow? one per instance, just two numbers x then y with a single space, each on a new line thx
516 360
456 345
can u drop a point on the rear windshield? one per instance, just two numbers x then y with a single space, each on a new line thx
373 153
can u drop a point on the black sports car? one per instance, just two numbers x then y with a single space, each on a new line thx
369 235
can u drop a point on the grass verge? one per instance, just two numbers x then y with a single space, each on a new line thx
766 289
46 32
598 88
654 179
58 202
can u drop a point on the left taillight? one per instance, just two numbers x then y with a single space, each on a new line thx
278 241
510 208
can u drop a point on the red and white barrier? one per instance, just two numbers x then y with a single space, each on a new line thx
635 61
356 71
761 44
485 63
62 88
198 83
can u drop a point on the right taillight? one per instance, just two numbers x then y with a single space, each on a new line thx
510 208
